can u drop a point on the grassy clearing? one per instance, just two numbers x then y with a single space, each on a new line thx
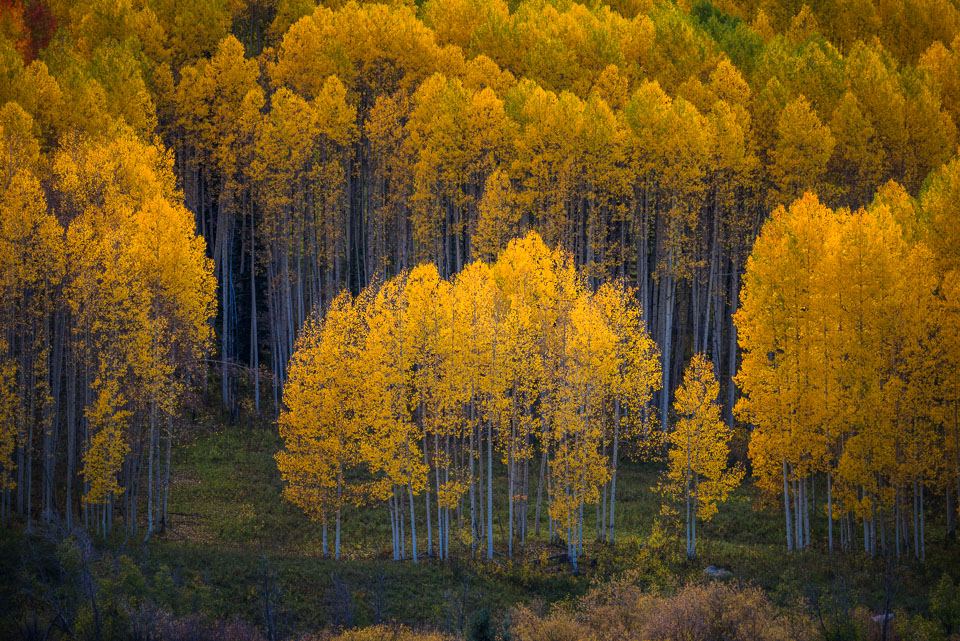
230 525
235 547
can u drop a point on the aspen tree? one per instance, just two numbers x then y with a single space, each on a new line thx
474 296
634 377
699 449
141 292
939 208
774 324
803 147
392 451
320 423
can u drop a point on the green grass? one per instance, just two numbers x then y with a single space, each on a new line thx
232 540
227 516
227 513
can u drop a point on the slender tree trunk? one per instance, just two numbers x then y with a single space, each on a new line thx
786 506
29 471
481 487
829 512
393 523
686 493
474 426
153 427
693 519
580 530
489 490
326 554
922 541
71 433
166 472
254 352
413 525
401 522
339 512
613 473
896 518
224 291
714 251
667 362
426 464
511 476
543 473
916 522
732 356
798 512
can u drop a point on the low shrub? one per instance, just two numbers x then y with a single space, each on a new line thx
698 612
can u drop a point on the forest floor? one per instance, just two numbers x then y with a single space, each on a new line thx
234 547
230 524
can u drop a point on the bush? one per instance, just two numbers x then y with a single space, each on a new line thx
558 626
698 612
389 633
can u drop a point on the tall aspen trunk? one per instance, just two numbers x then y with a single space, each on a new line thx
804 512
613 473
71 434
224 265
686 493
153 427
426 464
540 481
481 488
511 480
436 454
401 522
693 519
732 356
667 336
339 511
166 472
413 525
786 506
254 352
393 523
916 521
829 513
526 492
580 530
797 517
922 541
896 519
643 261
445 536
29 470
474 426
489 490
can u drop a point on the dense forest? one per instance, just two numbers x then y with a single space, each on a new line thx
470 262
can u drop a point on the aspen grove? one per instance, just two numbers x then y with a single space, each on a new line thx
469 256
425 383
849 367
